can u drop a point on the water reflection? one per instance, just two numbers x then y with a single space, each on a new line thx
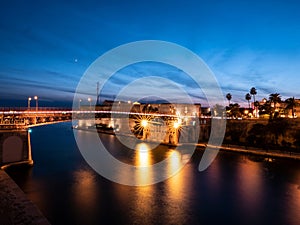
215 177
176 183
84 189
250 188
292 211
143 155
144 174
293 198
233 190
143 160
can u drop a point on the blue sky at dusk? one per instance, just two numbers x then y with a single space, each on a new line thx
46 46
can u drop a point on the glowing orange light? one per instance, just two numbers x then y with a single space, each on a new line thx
176 125
144 123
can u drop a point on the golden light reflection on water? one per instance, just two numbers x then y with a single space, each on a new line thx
175 183
84 188
143 160
174 161
250 188
177 187
143 157
144 174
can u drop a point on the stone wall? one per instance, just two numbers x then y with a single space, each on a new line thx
14 147
279 133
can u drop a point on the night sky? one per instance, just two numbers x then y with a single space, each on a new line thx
46 46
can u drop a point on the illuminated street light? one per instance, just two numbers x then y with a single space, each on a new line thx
36 103
176 125
79 103
29 99
144 123
90 101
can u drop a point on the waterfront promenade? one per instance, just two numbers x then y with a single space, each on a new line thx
15 207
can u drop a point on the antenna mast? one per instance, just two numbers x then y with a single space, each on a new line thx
98 95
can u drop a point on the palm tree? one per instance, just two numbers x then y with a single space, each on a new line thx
275 98
248 98
229 97
253 92
291 104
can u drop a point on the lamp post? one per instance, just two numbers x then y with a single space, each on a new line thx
79 103
29 99
90 101
36 103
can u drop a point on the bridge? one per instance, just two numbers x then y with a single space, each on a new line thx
19 118
15 124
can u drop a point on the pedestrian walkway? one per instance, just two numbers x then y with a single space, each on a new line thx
15 207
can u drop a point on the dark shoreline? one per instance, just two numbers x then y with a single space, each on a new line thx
15 207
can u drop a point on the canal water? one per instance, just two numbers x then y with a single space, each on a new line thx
235 189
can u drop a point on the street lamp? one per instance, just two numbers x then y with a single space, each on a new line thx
36 103
90 101
29 99
177 124
79 103
144 123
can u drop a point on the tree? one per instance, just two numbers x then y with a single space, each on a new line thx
276 128
228 96
266 109
291 104
275 98
256 105
234 110
218 110
253 92
297 140
248 98
256 135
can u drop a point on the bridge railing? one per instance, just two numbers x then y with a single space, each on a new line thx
18 109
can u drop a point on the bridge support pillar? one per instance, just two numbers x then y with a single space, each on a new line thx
34 120
15 148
